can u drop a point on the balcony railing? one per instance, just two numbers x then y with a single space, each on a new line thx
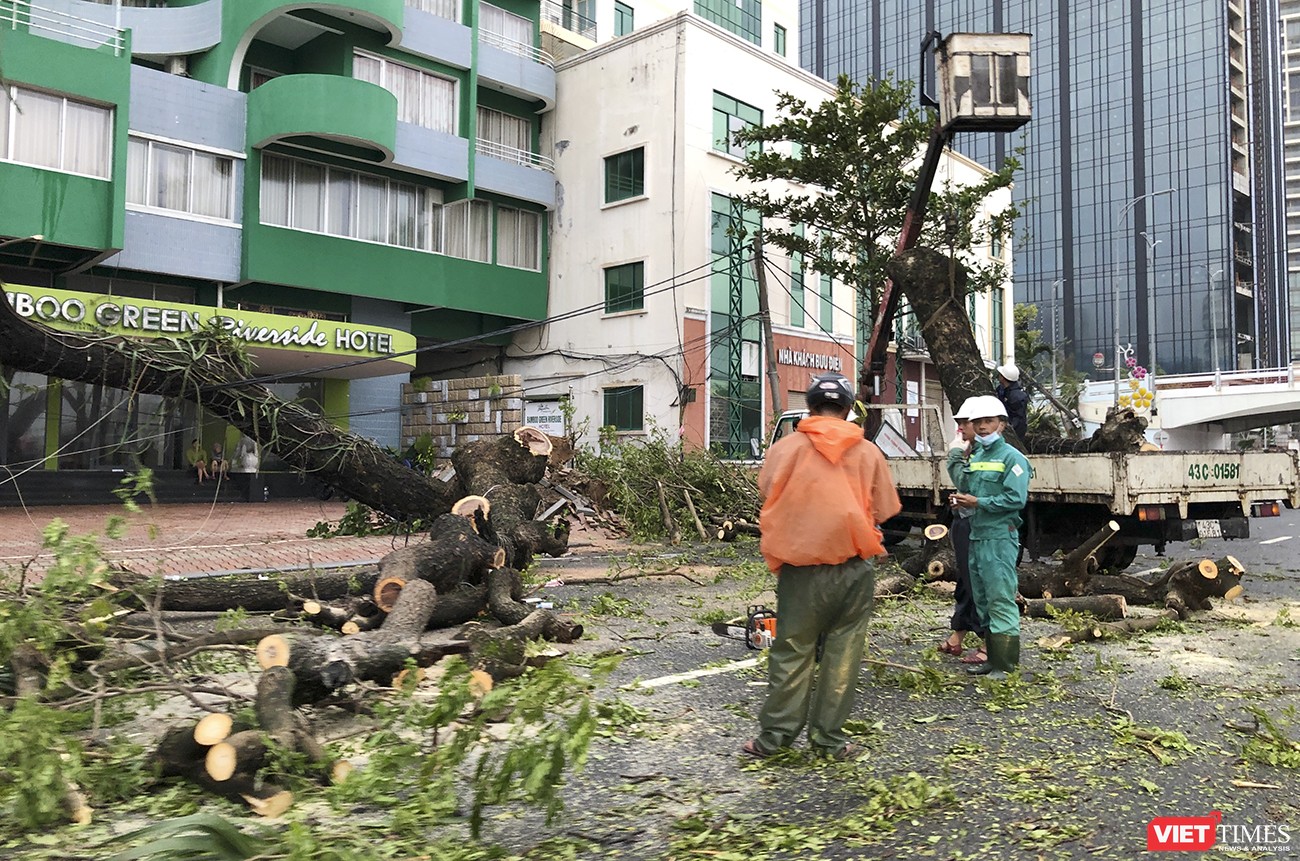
568 18
505 152
513 46
51 23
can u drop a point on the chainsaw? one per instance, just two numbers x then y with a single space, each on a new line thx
757 628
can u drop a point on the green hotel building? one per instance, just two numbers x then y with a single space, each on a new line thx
329 181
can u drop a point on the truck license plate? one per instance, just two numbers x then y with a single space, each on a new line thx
1208 529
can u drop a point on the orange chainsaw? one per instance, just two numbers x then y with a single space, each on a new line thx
757 628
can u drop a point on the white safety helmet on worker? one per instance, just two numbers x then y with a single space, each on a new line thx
983 406
1009 372
963 411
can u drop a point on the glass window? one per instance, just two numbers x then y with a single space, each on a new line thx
778 40
306 196
625 175
999 332
423 98
468 225
518 238
796 286
624 408
729 116
742 17
623 19
449 9
505 136
827 305
625 288
164 176
48 130
511 27
25 417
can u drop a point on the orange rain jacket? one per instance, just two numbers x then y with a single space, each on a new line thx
825 488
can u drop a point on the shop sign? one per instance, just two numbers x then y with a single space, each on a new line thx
803 359
67 310
545 415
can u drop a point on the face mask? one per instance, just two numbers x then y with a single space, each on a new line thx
989 439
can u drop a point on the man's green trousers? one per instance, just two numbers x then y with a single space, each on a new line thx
811 601
993 582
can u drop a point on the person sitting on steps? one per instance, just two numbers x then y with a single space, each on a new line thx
219 468
197 460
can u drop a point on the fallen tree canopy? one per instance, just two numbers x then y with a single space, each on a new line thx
209 369
936 287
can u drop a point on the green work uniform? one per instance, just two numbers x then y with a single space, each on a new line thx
998 476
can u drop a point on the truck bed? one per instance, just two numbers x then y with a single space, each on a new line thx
1123 481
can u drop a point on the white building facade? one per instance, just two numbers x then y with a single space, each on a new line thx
654 296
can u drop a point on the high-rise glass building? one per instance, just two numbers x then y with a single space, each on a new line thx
1151 185
1289 99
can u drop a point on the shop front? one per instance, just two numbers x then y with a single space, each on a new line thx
68 442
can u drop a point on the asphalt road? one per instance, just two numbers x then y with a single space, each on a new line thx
1271 555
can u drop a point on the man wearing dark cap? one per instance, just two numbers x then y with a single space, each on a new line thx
826 489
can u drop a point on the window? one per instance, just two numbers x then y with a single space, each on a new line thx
999 333
827 308
729 117
257 77
993 80
625 175
320 199
625 288
797 299
165 176
469 229
449 9
423 98
625 408
518 238
47 130
622 19
778 40
515 30
505 136
742 17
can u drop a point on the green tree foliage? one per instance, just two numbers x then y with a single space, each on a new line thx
845 170
1035 356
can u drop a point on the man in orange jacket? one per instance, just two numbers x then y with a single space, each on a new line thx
825 491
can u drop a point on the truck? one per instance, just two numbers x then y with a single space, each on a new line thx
1156 497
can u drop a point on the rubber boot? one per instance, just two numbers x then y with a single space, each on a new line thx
1004 655
991 644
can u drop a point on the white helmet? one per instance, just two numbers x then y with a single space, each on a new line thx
1009 372
963 412
983 406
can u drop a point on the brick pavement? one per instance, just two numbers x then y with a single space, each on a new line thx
197 538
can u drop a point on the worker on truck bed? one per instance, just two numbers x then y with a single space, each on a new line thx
1014 398
825 491
994 486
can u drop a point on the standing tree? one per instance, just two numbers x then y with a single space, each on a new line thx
845 171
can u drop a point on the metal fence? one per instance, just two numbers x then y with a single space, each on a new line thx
61 26
569 18
510 153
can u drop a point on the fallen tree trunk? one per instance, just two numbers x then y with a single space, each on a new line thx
1104 607
251 591
1106 629
207 369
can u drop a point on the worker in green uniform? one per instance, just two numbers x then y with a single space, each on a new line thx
993 486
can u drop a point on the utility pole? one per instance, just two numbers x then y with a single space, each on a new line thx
765 320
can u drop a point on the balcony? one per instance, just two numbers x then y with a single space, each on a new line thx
564 15
156 30
330 108
22 16
522 175
492 149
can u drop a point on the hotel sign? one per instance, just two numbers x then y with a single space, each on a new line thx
122 315
802 359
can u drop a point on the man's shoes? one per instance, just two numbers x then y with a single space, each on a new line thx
1003 657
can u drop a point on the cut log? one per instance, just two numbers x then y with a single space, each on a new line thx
934 539
537 441
248 590
1106 629
276 716
695 516
893 581
500 652
1081 561
454 554
505 588
273 651
242 753
1048 580
177 753
942 567
472 508
387 590
213 728
357 614
1104 607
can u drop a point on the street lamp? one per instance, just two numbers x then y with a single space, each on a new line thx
1151 313
1056 303
1120 217
1214 319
